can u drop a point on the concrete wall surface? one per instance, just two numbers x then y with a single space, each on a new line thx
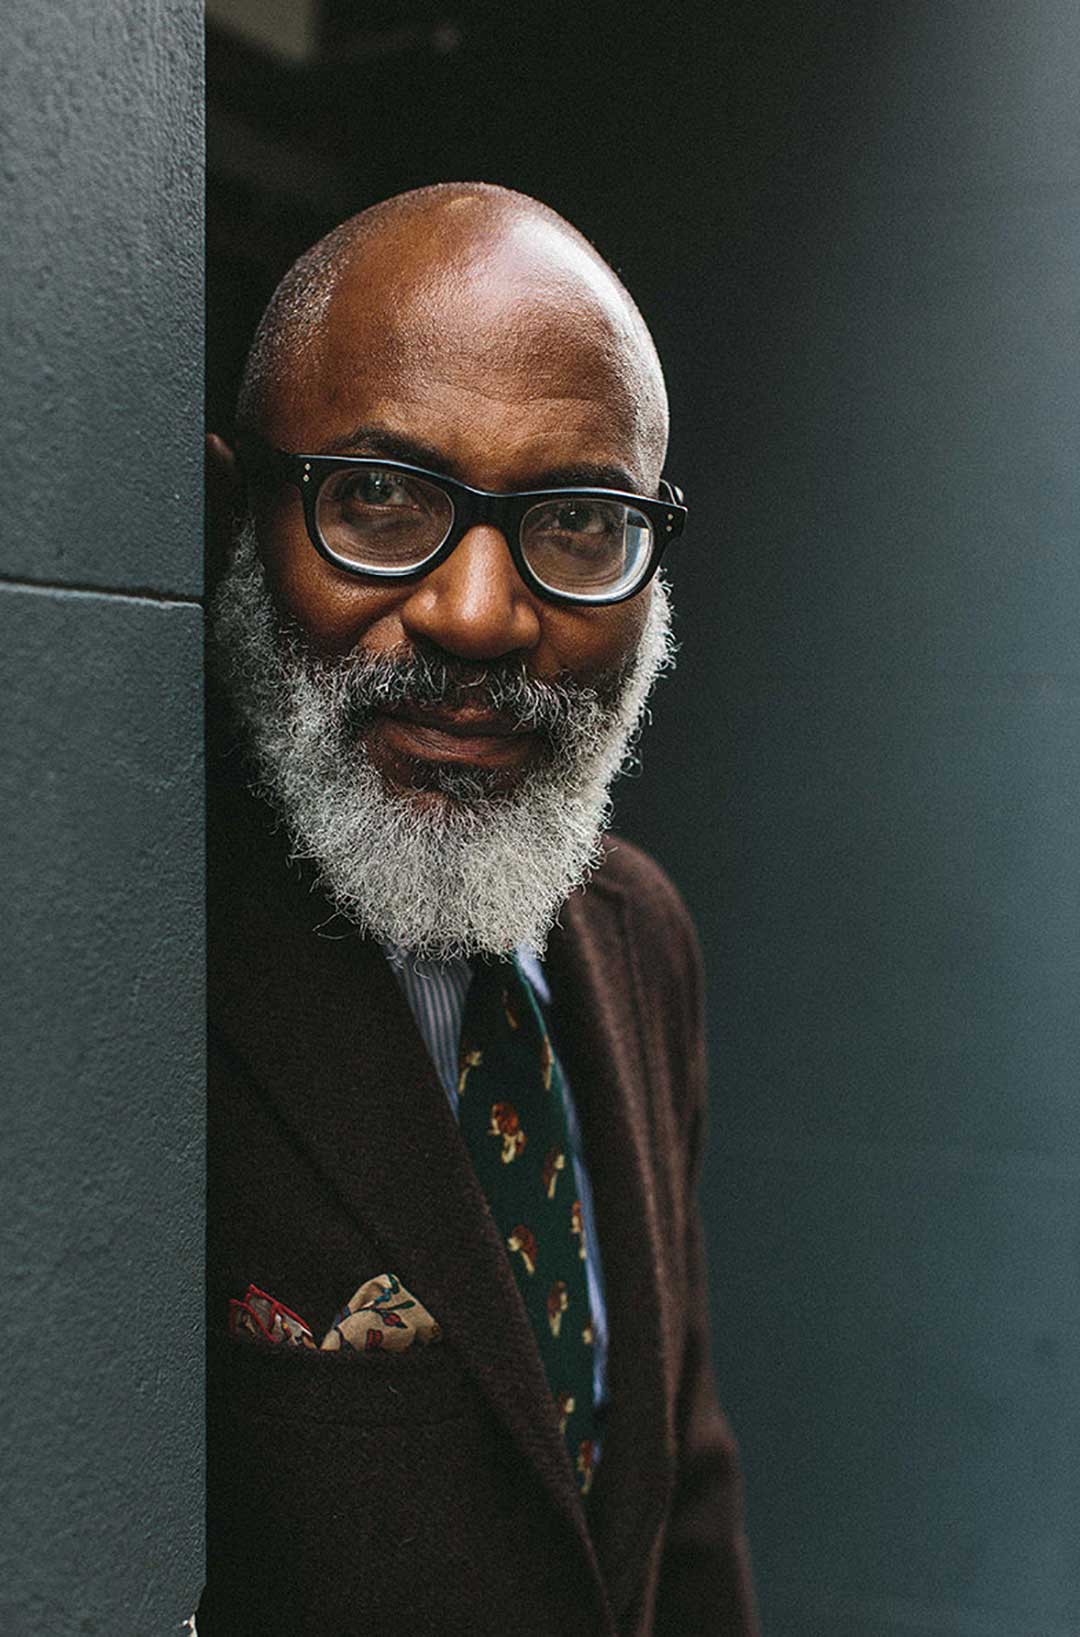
101 802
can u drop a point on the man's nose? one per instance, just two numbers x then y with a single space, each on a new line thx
475 604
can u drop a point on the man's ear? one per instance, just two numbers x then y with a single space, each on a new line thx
224 502
224 480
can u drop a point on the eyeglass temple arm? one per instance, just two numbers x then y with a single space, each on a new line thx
260 459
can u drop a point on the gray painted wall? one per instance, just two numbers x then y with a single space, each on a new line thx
866 775
101 1004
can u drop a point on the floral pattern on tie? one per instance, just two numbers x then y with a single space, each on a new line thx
524 1240
505 1123
554 1162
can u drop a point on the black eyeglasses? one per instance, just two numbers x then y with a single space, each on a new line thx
394 521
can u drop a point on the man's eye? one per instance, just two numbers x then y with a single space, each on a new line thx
377 489
573 519
579 518
583 528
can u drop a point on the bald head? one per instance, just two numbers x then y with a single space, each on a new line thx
477 288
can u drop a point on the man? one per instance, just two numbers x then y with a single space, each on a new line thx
458 1365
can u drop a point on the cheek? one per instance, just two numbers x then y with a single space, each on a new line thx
334 610
591 642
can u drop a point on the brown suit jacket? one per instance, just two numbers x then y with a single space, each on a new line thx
431 1490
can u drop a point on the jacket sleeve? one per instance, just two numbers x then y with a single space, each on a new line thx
705 1587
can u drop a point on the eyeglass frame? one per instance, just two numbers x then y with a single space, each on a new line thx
470 508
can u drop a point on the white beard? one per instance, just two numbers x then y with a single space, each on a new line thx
474 870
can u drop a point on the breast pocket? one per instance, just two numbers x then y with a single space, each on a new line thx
319 1464
292 1387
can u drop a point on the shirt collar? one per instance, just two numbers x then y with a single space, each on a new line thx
527 960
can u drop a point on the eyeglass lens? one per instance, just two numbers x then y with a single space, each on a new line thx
588 547
383 520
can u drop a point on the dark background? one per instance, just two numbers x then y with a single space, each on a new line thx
853 230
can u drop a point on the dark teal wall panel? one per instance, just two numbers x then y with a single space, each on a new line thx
101 268
101 803
865 775
101 1010
904 852
908 1370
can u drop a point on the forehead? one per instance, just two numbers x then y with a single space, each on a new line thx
509 358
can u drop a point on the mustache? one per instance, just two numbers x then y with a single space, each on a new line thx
364 684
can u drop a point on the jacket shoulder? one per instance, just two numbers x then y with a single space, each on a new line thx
631 920
628 943
650 902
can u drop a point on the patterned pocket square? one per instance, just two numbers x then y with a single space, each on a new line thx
382 1316
262 1318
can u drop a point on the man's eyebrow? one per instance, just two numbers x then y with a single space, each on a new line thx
586 475
380 440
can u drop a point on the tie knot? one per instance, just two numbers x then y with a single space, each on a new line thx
498 1000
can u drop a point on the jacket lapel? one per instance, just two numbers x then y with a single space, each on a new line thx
598 1002
317 1015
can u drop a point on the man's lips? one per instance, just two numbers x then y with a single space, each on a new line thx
471 738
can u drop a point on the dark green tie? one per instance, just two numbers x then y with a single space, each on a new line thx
513 1119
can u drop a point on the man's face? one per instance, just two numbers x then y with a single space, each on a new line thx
504 393
443 748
